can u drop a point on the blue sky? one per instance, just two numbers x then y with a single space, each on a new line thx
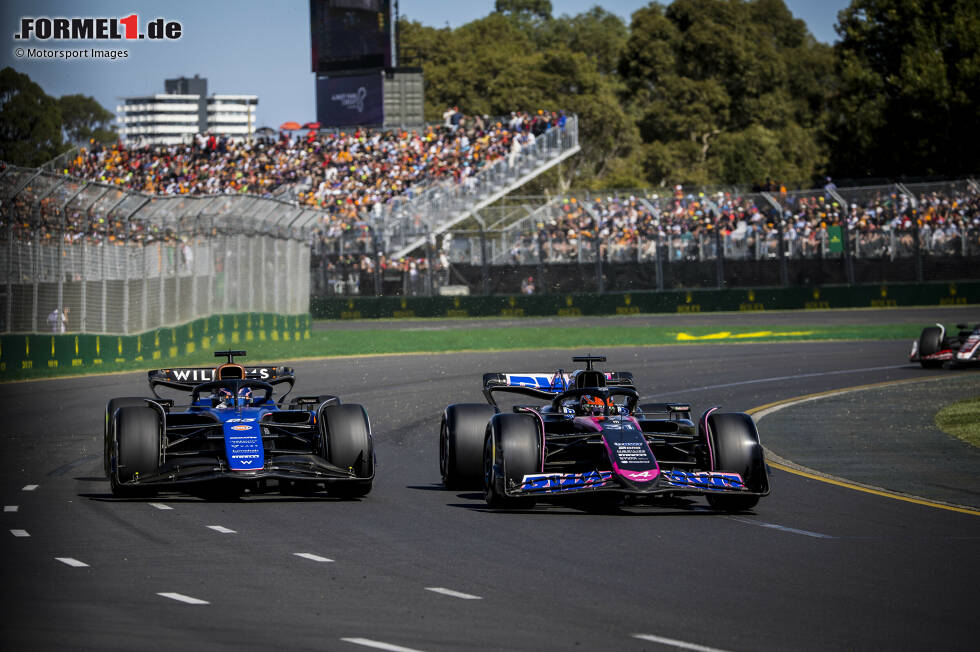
251 46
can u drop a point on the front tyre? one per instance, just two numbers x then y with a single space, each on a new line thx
346 442
108 432
461 435
930 341
512 449
138 432
735 448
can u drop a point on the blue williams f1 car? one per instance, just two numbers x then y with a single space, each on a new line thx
233 435
589 437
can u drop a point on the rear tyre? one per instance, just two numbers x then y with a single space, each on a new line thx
107 431
461 436
930 341
137 448
735 448
346 442
512 449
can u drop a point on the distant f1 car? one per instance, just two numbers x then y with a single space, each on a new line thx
590 436
934 347
232 435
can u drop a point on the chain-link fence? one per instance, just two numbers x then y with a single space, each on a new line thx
677 238
89 257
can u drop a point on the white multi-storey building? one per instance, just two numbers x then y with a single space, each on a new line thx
184 111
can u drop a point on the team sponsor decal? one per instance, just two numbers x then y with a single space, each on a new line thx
558 482
710 480
206 374
244 451
629 452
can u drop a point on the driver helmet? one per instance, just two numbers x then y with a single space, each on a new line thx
225 398
593 405
245 396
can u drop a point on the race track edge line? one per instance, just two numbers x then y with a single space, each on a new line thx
789 466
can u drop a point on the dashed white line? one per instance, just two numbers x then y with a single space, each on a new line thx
379 645
783 528
452 594
72 562
20 533
683 645
160 506
30 487
310 555
180 597
221 528
10 508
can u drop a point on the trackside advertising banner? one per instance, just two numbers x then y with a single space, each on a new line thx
350 101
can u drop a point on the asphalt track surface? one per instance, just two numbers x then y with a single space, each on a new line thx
814 567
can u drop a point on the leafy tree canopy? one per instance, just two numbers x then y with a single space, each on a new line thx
909 88
36 127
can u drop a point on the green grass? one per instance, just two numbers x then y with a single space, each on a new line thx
961 419
414 338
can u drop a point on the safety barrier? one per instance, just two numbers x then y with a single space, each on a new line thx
626 303
26 356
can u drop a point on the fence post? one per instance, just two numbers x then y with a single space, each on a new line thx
720 258
377 262
483 253
428 262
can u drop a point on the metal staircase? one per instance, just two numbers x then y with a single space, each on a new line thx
405 224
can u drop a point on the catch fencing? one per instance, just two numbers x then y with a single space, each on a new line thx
88 257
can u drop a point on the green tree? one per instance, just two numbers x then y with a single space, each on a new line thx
30 121
908 101
504 62
527 9
704 78
84 119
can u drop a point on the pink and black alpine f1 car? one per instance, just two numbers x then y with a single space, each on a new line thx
591 436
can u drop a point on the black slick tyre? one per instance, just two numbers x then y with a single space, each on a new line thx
107 431
735 448
930 341
461 436
137 448
512 449
346 442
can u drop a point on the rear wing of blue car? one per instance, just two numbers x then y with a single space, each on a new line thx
186 378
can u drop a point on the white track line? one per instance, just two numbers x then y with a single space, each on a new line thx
221 528
310 555
160 506
10 508
452 594
783 528
379 645
683 645
774 379
20 533
179 597
72 562
30 487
